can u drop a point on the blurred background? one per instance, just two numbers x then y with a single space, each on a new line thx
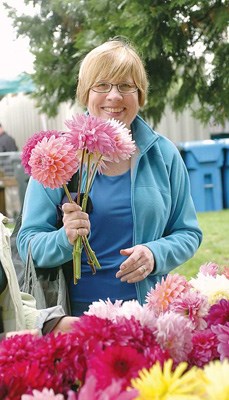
185 48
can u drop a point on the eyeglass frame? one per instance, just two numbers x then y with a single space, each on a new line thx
111 86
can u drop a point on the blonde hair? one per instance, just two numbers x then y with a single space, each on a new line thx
112 61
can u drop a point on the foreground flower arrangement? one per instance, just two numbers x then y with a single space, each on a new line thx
52 158
174 347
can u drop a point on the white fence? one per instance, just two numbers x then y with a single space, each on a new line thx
21 119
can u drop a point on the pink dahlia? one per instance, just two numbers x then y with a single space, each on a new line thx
53 161
91 133
192 305
222 334
31 143
119 363
110 139
159 299
104 309
209 269
112 392
204 348
169 325
125 146
45 394
218 313
226 272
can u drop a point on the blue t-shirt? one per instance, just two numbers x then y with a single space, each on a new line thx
111 231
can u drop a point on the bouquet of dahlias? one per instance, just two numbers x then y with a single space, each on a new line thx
53 157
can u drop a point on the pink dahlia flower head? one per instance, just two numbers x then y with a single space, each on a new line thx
53 161
160 298
45 394
31 143
125 146
111 139
209 269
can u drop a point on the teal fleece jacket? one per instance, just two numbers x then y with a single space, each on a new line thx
164 217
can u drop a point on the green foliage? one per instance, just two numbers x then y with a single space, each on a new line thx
166 33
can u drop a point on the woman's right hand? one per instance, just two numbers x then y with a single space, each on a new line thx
76 222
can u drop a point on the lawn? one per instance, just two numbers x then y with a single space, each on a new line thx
215 244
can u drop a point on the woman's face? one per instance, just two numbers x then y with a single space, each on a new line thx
122 107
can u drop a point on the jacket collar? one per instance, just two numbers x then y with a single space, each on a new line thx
143 134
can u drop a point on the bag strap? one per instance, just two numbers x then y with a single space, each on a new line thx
30 276
73 183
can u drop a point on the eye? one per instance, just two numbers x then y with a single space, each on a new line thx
127 87
102 86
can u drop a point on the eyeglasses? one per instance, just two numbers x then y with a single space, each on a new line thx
124 88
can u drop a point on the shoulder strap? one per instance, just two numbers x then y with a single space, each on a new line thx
73 183
17 262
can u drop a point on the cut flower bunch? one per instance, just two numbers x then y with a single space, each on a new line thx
53 157
124 351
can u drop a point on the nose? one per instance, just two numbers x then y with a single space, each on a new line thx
114 93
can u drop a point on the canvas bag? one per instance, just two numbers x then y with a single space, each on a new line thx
49 290
47 285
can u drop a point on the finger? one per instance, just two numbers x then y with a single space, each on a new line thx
132 262
70 207
135 276
127 252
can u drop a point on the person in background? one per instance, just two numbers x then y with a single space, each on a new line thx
143 223
7 143
18 313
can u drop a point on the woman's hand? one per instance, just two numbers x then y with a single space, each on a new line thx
24 332
65 325
76 222
139 264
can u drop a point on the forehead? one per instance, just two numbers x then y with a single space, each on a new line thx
115 78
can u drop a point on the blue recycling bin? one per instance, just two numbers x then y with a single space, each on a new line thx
204 161
225 144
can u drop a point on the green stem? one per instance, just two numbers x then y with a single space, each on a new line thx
90 261
77 251
95 168
77 248
80 176
91 252
68 193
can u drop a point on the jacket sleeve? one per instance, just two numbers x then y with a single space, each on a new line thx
182 235
38 318
49 245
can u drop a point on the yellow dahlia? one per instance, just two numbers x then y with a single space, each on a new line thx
162 383
217 375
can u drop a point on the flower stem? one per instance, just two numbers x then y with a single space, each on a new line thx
68 193
91 252
77 250
77 247
83 241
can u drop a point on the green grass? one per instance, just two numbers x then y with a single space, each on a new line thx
215 244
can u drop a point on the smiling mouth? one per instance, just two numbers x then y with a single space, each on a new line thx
113 110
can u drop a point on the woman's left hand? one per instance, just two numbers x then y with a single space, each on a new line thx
139 264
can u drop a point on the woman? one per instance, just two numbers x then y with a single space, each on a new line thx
143 223
18 313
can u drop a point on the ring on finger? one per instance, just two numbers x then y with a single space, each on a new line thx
143 268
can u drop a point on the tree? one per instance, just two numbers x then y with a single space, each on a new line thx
166 33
